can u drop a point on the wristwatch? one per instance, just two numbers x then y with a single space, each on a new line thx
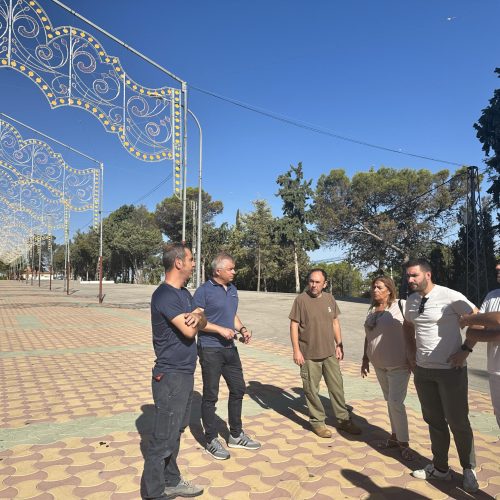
465 347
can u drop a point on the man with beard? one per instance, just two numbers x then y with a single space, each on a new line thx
488 330
438 356
174 326
317 349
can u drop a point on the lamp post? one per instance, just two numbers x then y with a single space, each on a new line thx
200 171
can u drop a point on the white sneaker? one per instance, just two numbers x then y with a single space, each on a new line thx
430 472
470 483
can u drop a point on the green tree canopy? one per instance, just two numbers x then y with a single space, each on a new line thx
131 240
292 228
344 279
488 133
259 237
387 214
168 214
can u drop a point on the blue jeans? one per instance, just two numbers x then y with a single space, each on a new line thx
172 397
217 361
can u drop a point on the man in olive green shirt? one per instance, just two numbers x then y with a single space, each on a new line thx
317 348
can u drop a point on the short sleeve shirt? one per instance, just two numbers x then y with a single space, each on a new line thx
492 304
220 306
437 330
315 317
174 351
386 345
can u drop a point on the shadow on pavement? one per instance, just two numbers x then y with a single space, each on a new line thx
376 492
288 404
144 425
270 397
196 426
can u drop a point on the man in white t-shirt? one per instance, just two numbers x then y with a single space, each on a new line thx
438 355
489 331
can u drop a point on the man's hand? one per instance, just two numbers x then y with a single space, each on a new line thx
194 320
227 333
457 360
246 336
298 359
339 352
365 367
468 320
412 363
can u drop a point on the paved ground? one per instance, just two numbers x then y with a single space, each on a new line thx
76 408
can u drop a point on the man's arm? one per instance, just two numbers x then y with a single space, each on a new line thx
337 334
242 329
298 358
489 319
458 359
365 362
483 334
227 333
411 343
190 323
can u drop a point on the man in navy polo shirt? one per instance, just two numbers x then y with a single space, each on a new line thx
218 299
174 330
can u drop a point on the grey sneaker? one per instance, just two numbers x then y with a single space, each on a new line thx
216 449
430 472
183 489
243 441
470 483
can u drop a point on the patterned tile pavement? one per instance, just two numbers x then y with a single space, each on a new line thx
75 413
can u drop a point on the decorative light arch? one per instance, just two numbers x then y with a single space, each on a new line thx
39 190
71 68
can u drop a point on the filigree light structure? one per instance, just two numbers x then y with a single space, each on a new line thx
71 68
39 190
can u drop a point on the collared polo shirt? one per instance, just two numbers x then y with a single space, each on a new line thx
220 305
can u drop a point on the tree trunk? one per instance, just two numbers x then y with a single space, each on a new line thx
258 269
296 261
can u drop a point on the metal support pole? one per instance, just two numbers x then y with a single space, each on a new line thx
193 237
39 259
200 205
101 196
32 258
476 282
184 187
67 275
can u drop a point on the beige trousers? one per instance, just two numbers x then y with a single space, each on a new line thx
394 384
311 373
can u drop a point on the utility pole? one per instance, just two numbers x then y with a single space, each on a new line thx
476 282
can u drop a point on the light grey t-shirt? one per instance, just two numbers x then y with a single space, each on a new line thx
437 331
492 304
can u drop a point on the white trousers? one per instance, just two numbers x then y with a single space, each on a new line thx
394 384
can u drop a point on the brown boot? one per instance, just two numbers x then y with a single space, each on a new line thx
322 431
349 426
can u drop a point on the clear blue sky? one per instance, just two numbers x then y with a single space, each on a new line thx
410 75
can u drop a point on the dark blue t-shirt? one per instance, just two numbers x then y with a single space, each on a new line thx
174 351
220 307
